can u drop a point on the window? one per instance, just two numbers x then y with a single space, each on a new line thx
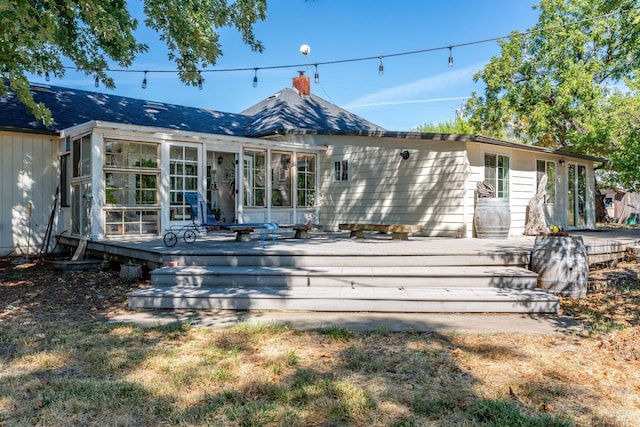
306 181
341 170
81 156
183 176
549 168
254 174
281 179
65 181
131 175
496 173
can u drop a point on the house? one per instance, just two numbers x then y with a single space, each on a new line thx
120 166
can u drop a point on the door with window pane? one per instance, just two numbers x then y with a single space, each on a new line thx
183 176
577 192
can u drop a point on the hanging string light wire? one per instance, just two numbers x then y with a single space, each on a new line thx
364 58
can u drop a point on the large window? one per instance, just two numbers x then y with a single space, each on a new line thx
281 179
183 176
496 173
306 181
549 168
254 174
131 175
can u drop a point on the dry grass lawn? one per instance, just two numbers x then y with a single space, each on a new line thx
62 364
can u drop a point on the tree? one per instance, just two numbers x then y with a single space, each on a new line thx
36 36
552 85
458 125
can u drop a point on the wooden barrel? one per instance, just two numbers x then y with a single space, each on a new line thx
492 218
562 265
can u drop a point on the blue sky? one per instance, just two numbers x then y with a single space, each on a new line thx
413 90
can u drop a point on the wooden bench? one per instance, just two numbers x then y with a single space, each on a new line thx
398 231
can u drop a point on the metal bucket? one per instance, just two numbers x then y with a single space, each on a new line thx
492 218
562 265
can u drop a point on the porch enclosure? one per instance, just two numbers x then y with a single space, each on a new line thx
125 183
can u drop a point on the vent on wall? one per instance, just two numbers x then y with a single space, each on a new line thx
157 106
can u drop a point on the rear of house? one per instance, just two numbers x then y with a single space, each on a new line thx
122 164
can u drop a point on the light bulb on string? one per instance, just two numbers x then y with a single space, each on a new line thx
450 56
316 76
255 78
144 81
96 80
200 81
46 76
380 67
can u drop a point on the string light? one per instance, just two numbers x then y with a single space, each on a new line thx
316 76
96 80
255 78
47 78
380 57
144 81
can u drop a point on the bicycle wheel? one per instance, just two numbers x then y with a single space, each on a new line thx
170 238
189 236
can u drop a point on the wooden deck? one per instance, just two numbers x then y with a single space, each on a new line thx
331 272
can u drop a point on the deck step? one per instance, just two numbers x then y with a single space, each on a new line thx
351 277
346 299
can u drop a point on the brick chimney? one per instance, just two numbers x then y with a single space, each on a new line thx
302 83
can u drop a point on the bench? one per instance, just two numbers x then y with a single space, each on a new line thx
302 230
243 231
398 231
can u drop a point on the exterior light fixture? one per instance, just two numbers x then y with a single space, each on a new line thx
200 81
404 154
380 67
46 76
450 56
220 160
255 78
144 81
316 76
96 81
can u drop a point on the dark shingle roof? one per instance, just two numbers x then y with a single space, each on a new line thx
287 110
71 107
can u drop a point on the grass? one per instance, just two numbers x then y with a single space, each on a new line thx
257 375
62 372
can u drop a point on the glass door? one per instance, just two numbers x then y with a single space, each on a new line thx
81 199
577 194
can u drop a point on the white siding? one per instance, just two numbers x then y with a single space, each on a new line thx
426 189
522 181
29 174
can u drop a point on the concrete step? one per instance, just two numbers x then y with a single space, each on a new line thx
347 299
348 277
309 258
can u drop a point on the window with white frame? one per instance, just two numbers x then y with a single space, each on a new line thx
306 180
281 179
183 176
131 176
81 156
496 173
341 170
254 174
547 167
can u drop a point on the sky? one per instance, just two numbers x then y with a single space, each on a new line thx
414 89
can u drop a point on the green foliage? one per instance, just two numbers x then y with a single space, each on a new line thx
504 413
569 82
458 126
35 37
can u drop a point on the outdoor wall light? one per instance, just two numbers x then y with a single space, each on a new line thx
561 161
220 160
404 154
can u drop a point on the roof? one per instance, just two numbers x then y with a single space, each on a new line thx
283 111
72 107
287 110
